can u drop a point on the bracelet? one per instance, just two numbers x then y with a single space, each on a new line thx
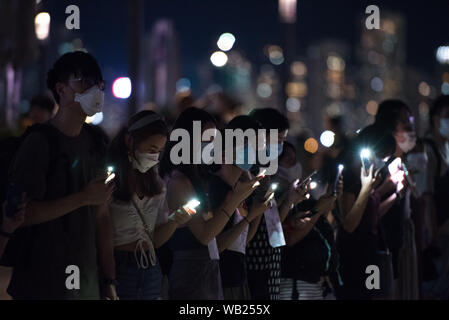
5 234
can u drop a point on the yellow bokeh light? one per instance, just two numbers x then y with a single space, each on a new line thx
372 107
311 145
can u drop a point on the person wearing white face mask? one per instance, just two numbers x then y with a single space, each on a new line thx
139 209
395 117
436 194
60 165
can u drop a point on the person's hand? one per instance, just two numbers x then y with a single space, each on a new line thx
10 224
257 209
299 221
109 292
399 179
297 194
243 189
366 178
96 192
181 216
325 204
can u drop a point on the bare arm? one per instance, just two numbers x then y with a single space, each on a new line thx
105 242
225 239
43 211
302 229
304 225
180 191
353 209
253 226
386 205
95 193
164 232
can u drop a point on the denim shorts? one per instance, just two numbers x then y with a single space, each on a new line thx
134 282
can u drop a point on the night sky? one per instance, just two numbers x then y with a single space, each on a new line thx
255 23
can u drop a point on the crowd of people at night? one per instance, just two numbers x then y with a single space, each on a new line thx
88 216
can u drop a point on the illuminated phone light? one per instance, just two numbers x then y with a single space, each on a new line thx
340 168
313 185
274 186
192 204
109 178
365 153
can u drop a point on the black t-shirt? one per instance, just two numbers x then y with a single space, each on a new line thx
232 263
52 246
357 250
313 257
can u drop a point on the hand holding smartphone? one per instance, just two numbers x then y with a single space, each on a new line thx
110 175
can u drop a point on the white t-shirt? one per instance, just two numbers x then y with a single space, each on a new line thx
128 226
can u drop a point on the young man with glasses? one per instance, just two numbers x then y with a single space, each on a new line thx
67 221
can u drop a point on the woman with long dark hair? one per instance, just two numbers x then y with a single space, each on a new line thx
195 272
139 210
360 235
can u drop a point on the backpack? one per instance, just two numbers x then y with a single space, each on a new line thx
8 150
441 190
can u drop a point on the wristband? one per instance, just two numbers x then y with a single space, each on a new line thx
5 234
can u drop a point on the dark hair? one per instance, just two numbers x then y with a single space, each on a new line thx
197 174
270 118
388 114
287 145
381 142
118 153
44 102
77 63
244 123
438 105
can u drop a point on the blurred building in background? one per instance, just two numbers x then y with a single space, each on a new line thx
327 90
162 64
382 54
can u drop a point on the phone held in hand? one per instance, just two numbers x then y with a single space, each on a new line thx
273 187
111 175
191 205
307 180
13 199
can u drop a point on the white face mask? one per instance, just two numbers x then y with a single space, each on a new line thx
409 142
417 163
144 161
444 127
91 101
